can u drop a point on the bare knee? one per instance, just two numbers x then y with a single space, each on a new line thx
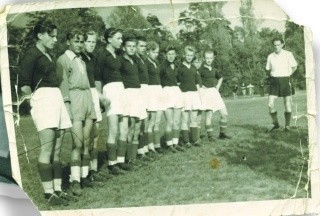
271 105
224 116
176 123
123 132
113 131
45 156
271 102
157 126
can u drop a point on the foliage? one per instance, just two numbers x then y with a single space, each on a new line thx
20 39
131 20
242 50
294 42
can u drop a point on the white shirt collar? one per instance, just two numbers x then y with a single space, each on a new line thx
187 64
208 67
71 55
151 61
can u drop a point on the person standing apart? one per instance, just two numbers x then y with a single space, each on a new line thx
281 64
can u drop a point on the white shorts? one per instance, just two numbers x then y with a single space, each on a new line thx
144 94
96 102
172 97
156 99
191 100
48 109
200 92
114 92
134 103
211 99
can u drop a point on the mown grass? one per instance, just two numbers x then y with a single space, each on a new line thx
254 165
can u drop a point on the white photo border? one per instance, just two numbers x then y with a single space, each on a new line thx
270 207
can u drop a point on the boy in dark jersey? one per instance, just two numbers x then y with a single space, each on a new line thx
92 66
211 98
75 88
39 81
198 63
135 111
155 99
173 99
113 89
140 59
187 76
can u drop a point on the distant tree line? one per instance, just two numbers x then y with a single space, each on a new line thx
241 51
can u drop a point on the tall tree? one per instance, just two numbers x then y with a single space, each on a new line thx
128 18
294 42
159 33
204 26
252 68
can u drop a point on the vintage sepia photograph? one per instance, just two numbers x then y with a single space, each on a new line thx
164 103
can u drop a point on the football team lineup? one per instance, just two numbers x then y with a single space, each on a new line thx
151 109
127 106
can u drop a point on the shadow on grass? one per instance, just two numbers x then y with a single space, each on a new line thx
278 154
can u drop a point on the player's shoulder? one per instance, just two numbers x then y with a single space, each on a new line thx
33 53
287 52
164 64
86 57
271 55
63 59
203 68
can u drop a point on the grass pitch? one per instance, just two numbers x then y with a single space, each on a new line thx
254 165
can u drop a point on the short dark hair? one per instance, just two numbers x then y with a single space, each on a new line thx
170 48
129 39
43 26
74 32
278 39
141 38
90 33
110 32
198 56
152 45
209 51
189 48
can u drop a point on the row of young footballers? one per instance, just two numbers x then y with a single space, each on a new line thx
134 89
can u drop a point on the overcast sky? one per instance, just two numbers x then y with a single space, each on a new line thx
266 10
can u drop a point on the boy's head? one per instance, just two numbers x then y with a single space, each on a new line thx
278 44
171 53
141 45
197 62
130 46
45 32
209 56
90 41
113 36
189 53
75 40
152 50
